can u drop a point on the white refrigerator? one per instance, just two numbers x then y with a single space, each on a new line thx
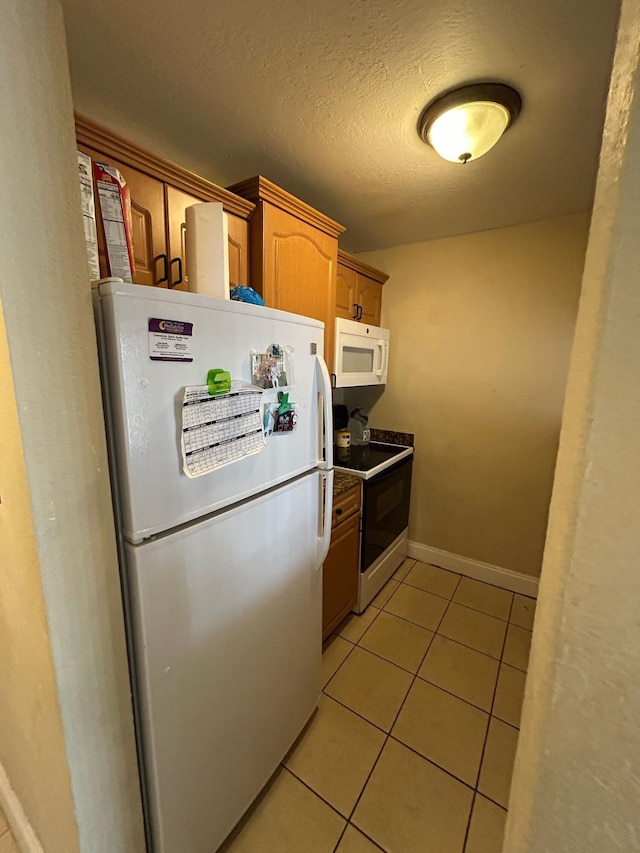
221 573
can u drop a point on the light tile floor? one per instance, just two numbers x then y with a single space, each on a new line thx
7 844
413 743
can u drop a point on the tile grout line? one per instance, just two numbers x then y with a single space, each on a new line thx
414 675
388 735
320 797
460 603
386 740
486 736
354 645
449 601
435 633
473 805
362 832
342 705
368 837
366 781
477 580
432 762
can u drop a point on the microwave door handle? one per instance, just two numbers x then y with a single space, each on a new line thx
380 370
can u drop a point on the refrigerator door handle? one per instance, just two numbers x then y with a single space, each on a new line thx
325 417
325 480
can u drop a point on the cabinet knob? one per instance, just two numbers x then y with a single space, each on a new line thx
339 511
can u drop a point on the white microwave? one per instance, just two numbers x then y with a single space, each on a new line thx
361 354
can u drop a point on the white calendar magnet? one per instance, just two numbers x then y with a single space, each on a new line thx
217 431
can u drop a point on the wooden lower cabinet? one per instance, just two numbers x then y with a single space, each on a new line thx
340 573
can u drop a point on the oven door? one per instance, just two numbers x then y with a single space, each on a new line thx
385 511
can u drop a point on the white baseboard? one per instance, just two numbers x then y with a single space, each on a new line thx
19 825
505 578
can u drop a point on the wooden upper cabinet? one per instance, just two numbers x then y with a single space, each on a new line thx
294 254
369 298
177 203
299 265
346 283
238 250
147 223
160 193
360 296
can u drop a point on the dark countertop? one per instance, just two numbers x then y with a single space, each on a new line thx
343 482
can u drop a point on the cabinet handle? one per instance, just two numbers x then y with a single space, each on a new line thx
358 312
165 275
179 279
339 511
334 380
355 310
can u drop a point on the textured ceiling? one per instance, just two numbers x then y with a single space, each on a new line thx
323 98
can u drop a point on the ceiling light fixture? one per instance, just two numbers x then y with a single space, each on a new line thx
465 123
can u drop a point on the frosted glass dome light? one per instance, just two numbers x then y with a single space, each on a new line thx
466 123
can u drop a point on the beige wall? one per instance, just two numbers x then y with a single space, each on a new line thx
576 784
70 757
32 749
482 326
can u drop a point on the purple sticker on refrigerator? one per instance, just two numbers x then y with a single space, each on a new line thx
170 340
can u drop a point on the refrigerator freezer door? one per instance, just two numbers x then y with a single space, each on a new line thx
144 400
227 656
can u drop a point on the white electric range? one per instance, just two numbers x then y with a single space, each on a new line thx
385 470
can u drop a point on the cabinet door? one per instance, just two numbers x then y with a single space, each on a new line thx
369 297
238 250
346 283
177 203
147 222
299 269
340 574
